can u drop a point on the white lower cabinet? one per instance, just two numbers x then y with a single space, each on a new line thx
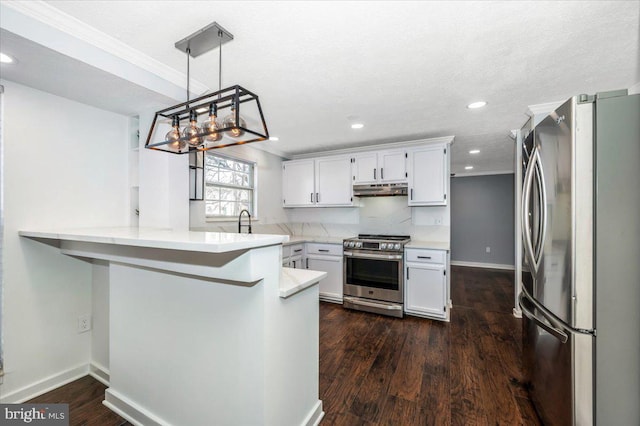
327 258
426 291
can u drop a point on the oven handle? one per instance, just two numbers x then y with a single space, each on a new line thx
373 304
373 256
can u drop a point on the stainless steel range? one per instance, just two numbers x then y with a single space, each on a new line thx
374 273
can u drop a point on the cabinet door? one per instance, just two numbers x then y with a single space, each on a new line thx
296 262
333 182
426 290
298 183
331 286
365 168
392 166
428 176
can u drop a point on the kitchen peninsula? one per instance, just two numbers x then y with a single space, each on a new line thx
204 327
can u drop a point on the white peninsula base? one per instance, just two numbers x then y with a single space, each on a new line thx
203 334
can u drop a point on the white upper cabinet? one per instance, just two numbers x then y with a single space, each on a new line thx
319 182
365 168
379 167
393 166
333 181
298 185
428 175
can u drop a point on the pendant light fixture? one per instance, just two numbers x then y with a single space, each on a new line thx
243 122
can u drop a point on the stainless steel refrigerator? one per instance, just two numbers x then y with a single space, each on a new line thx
580 294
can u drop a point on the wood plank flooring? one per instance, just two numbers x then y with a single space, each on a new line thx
84 397
377 370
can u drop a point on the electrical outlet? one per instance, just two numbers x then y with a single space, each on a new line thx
84 323
488 249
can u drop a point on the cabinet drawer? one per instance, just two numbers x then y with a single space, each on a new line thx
286 252
327 249
297 249
425 256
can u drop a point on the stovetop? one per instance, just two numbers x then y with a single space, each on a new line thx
382 237
377 242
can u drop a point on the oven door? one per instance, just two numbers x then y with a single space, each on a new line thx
374 275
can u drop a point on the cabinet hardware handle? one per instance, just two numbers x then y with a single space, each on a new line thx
317 197
294 264
323 250
297 251
312 197
307 263
407 273
412 193
381 173
374 174
424 257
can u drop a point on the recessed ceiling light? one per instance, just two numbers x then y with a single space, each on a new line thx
5 59
274 138
474 151
475 105
468 168
357 126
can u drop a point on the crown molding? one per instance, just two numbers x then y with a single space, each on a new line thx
407 144
52 17
545 108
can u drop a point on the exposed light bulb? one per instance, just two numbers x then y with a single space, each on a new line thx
468 168
474 151
211 126
192 130
357 126
230 121
174 135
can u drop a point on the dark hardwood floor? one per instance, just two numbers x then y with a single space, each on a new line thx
84 397
377 370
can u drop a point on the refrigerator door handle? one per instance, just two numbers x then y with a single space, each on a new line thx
526 193
542 191
555 332
551 317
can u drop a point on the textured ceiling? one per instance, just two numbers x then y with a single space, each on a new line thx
406 70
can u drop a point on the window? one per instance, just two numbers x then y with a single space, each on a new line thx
229 186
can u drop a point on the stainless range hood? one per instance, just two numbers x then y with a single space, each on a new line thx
381 190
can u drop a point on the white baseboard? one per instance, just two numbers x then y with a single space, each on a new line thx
99 372
45 385
330 297
315 415
483 265
129 410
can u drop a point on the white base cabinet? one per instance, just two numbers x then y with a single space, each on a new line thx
426 284
327 258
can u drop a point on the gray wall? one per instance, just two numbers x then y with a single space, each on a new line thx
482 215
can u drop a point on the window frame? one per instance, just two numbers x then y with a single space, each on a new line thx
254 186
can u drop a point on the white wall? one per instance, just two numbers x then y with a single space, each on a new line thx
634 89
65 165
164 184
269 171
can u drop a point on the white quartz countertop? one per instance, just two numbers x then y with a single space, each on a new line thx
434 245
207 242
296 239
293 281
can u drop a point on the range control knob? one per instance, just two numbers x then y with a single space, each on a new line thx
396 246
358 244
352 244
346 244
383 246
